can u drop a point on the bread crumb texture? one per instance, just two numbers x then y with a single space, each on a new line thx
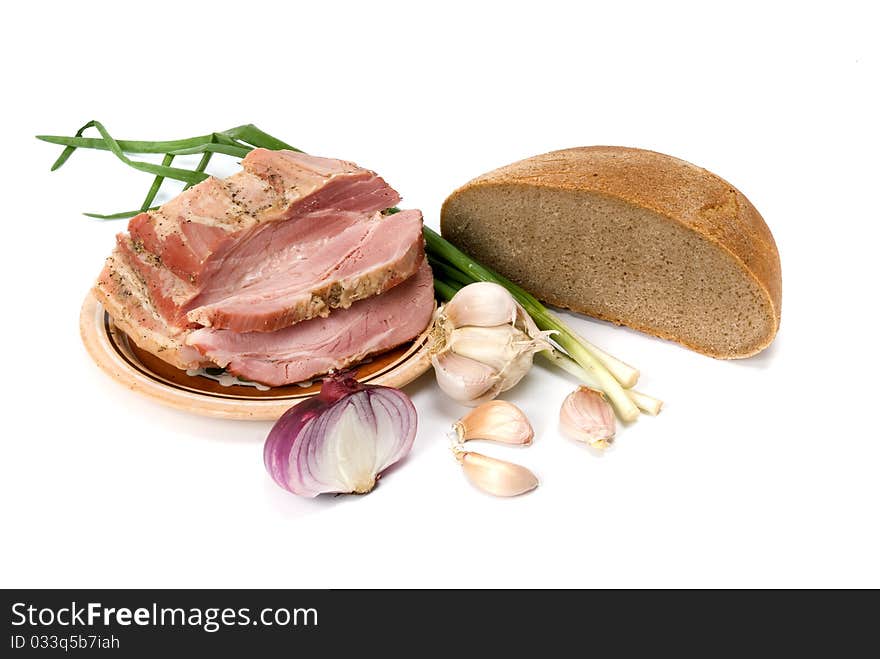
631 236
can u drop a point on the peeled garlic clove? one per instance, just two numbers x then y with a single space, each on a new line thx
503 479
482 304
587 417
496 421
463 379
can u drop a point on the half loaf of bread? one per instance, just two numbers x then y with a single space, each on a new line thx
630 236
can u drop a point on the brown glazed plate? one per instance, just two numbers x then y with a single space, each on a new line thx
149 376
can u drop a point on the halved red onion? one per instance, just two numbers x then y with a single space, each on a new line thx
342 439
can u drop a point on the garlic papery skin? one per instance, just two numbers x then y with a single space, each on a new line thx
465 380
496 477
482 304
587 417
496 421
495 346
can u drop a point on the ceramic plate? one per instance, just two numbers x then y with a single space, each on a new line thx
148 375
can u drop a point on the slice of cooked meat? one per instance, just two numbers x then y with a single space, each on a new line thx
279 230
192 233
298 270
126 298
316 346
168 293
289 355
264 292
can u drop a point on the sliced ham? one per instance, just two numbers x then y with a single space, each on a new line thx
127 299
227 253
316 346
305 281
168 294
192 233
294 271
280 272
276 358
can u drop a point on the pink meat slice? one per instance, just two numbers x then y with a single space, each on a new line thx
127 299
308 279
192 233
168 293
276 251
316 346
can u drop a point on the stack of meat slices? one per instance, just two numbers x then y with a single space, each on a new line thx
281 272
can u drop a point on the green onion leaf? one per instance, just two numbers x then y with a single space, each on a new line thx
168 172
253 135
203 164
211 147
223 138
128 146
445 290
67 151
449 273
157 183
119 216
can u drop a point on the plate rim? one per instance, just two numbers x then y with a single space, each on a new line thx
106 356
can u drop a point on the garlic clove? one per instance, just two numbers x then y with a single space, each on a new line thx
587 417
463 379
496 346
482 304
503 479
517 368
496 421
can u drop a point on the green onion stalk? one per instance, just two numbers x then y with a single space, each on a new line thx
452 268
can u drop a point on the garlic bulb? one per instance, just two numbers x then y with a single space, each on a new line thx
495 421
587 417
483 343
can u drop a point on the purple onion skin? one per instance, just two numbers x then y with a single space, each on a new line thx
289 428
276 452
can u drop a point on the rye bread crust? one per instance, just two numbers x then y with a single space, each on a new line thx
668 187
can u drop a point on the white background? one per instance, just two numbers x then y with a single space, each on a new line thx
762 472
